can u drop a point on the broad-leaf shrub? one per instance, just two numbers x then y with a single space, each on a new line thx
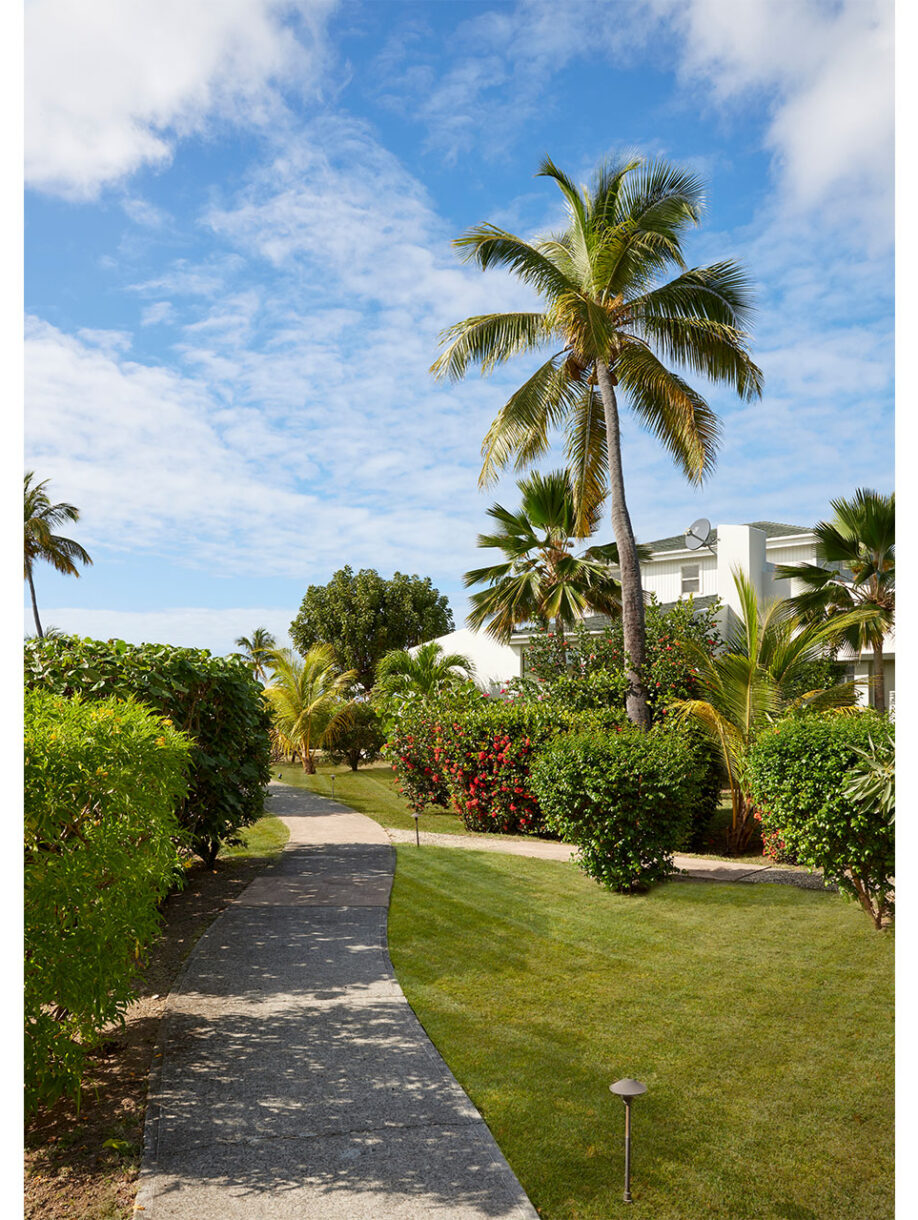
799 776
416 750
102 780
355 739
215 700
623 798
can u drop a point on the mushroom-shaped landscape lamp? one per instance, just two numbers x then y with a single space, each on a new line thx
417 833
333 785
626 1089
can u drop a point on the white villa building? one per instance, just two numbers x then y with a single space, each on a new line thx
673 571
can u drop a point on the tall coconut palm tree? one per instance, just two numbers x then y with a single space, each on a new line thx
419 675
755 681
41 518
257 650
610 321
857 568
306 698
540 577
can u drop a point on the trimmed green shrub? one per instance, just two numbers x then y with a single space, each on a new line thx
215 700
799 775
623 798
359 739
415 749
102 780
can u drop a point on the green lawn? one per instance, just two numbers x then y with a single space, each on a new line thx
760 1018
260 841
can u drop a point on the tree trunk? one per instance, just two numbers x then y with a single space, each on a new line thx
879 678
41 634
632 593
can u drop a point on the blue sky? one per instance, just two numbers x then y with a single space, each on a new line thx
238 261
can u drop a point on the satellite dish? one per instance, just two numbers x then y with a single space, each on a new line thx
697 534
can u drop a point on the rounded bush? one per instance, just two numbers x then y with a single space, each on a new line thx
623 798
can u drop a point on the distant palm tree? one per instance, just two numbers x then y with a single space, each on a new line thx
422 675
610 327
307 698
753 682
857 553
41 517
257 649
540 578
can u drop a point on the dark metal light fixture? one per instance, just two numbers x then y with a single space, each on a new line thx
333 786
417 833
626 1089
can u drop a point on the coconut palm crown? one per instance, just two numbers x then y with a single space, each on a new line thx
540 578
857 550
258 650
307 698
420 675
41 518
612 326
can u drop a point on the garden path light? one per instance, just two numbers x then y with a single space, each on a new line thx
626 1089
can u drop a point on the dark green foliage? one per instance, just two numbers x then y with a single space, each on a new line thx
102 780
585 670
625 799
358 739
215 700
364 616
799 774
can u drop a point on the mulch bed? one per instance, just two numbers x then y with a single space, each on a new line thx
84 1163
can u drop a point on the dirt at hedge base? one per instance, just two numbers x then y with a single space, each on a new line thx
70 1173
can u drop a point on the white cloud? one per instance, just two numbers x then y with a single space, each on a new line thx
159 311
111 86
183 627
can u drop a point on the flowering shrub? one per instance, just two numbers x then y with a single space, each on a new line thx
415 751
799 776
623 798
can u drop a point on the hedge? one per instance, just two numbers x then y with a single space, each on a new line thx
102 780
215 700
799 774
625 799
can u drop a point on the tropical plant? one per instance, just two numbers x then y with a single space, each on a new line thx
355 738
418 677
364 616
754 682
41 518
307 698
610 325
540 579
871 783
256 649
857 569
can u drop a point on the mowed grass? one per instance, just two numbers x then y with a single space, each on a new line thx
760 1018
260 841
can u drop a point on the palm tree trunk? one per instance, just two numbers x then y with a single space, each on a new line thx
632 593
879 678
41 634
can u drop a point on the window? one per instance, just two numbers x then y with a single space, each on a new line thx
691 578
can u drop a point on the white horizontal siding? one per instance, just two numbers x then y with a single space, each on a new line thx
664 577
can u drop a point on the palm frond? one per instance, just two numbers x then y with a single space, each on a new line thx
488 340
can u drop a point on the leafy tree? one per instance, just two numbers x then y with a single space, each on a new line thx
257 649
610 324
41 518
752 684
364 616
307 698
355 738
857 569
420 678
540 578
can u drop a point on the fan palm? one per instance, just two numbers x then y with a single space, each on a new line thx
755 681
419 675
540 579
857 569
306 698
41 518
610 325
257 650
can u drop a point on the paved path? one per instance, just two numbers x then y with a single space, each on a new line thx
689 866
292 1079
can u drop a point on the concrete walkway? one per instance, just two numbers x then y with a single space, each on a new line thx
292 1080
696 867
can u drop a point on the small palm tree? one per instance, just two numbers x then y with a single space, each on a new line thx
540 578
403 676
754 682
257 650
610 327
857 551
41 518
307 698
